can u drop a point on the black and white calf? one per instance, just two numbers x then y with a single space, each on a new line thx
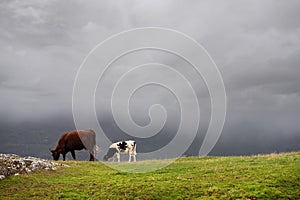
122 147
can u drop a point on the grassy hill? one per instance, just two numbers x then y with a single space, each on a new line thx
273 176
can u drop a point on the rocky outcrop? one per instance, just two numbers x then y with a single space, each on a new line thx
11 164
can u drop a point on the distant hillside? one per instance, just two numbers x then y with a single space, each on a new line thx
35 139
273 176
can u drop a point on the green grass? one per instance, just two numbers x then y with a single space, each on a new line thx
274 176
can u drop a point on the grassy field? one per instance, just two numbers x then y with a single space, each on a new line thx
274 176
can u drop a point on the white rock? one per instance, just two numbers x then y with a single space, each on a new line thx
13 164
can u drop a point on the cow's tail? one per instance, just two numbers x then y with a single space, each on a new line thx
96 150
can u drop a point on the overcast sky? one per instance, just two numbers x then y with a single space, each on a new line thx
255 44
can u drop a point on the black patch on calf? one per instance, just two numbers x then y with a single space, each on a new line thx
110 153
122 145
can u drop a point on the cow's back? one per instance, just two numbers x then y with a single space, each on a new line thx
88 138
73 141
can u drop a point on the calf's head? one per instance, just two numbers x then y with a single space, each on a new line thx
110 153
105 158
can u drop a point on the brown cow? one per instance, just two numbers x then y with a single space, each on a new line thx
75 140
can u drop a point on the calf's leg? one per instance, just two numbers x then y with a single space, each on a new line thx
134 158
118 157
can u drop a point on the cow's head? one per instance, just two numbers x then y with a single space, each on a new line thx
55 154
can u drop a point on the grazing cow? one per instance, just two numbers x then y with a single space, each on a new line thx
122 147
75 140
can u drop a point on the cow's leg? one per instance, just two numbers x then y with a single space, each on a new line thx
73 154
92 157
64 156
64 152
118 157
134 158
129 157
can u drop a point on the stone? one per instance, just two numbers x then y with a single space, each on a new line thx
11 164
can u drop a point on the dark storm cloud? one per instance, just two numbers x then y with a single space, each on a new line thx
255 44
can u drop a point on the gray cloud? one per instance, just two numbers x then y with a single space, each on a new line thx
255 44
